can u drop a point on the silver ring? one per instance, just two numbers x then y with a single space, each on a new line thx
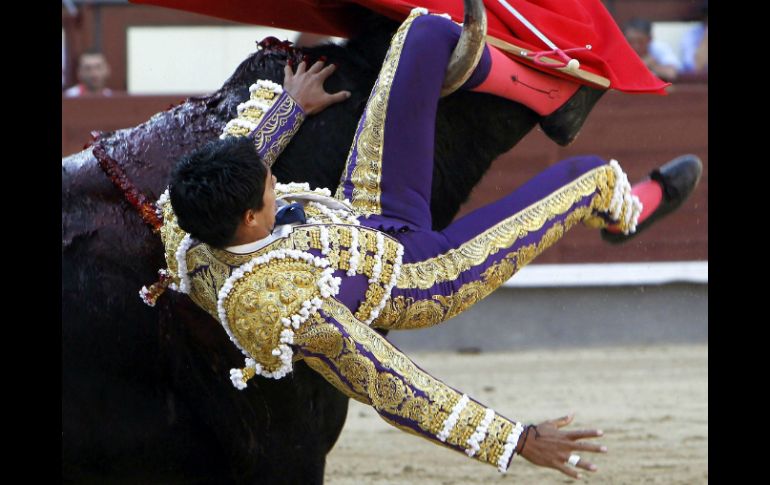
573 460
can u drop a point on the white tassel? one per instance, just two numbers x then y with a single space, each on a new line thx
510 447
623 203
451 420
474 442
181 263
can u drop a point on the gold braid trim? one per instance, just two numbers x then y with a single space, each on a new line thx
368 144
407 313
366 367
493 445
171 235
265 116
266 94
448 266
269 138
210 268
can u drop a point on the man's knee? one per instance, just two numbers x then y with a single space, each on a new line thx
432 31
581 164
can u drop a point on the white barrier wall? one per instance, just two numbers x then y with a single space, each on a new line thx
190 60
671 33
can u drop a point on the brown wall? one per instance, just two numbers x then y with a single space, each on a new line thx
654 10
640 131
81 116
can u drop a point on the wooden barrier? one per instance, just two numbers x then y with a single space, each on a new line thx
81 116
640 131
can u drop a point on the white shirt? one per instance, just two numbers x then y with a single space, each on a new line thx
79 90
278 232
690 42
286 229
664 54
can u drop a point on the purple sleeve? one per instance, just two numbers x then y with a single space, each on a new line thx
277 127
365 366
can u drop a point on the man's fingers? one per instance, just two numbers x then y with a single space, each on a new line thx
585 465
301 68
580 434
588 446
338 97
316 67
287 72
326 71
568 470
563 421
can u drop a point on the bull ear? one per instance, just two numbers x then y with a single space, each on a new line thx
469 48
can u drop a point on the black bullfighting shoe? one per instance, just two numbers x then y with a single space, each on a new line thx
677 179
563 125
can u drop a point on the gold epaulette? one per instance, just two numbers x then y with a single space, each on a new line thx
265 300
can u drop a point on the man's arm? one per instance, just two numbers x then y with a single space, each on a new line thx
273 114
281 306
365 366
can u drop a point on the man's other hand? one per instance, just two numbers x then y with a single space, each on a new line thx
306 87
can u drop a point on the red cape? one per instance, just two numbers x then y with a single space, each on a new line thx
567 23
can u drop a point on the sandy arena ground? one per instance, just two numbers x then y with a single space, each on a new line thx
651 403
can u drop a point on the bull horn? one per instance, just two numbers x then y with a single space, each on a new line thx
469 48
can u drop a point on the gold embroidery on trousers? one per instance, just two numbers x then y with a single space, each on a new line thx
407 313
448 266
368 144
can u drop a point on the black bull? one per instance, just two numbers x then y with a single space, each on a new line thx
146 396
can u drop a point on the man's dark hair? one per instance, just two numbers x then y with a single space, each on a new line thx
90 52
640 24
213 186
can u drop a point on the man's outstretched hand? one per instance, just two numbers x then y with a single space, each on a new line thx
306 87
547 445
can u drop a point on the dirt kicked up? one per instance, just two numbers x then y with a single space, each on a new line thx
651 403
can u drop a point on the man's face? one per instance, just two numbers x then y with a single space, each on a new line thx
638 40
93 72
266 215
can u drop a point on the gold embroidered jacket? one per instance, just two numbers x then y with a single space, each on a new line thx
279 304
283 302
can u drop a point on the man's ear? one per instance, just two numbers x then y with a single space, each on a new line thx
249 218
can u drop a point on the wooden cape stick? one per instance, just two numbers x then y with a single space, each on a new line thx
578 73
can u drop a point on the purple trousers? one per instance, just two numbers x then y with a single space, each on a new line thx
388 180
388 177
